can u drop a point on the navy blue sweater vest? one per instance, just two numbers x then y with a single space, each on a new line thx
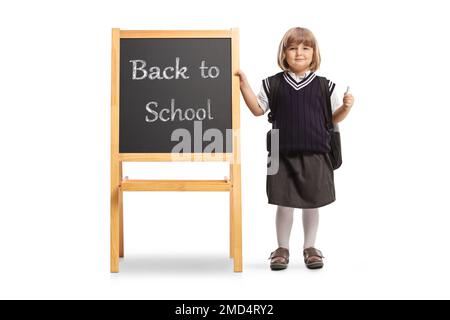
300 115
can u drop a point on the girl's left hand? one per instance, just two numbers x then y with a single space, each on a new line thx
348 100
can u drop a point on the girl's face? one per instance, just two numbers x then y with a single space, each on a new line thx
299 57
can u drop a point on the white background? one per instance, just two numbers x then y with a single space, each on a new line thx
386 236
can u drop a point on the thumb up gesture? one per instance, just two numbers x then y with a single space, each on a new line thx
348 99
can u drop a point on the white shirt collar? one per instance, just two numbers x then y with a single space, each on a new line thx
299 78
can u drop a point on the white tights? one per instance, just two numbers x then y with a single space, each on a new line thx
284 219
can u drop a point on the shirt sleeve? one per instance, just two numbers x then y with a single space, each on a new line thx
335 103
262 99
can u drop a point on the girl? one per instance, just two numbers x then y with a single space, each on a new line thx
305 176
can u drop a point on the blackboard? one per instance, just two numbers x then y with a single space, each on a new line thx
174 83
192 72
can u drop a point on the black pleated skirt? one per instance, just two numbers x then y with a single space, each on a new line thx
303 180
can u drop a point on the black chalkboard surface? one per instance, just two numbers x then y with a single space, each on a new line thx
174 83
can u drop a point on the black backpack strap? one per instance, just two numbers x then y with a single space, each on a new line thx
328 111
272 88
335 153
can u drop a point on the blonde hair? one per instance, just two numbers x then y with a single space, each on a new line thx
295 36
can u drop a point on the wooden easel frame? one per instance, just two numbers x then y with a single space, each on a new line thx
119 184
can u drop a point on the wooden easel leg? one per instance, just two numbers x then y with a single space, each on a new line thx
231 226
121 239
231 216
115 230
115 163
121 251
115 217
236 163
237 216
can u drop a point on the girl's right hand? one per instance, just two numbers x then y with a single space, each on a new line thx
241 75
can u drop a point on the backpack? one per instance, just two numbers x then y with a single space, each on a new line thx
335 153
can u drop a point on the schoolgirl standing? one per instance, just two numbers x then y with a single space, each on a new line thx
304 178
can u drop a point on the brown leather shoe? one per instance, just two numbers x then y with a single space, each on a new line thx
279 259
315 263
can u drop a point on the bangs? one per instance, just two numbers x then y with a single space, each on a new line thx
298 36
